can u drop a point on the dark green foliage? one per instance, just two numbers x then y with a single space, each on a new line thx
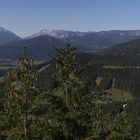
121 128
130 48
70 89
19 93
106 82
70 107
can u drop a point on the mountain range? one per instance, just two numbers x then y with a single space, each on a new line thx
40 45
92 41
57 34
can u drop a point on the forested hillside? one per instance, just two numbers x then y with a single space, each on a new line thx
71 97
130 48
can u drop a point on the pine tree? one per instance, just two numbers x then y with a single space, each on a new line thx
84 108
63 104
20 92
71 88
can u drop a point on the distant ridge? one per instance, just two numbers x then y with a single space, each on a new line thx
7 36
38 48
128 48
40 45
92 41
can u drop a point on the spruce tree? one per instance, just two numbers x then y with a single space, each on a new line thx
64 118
19 94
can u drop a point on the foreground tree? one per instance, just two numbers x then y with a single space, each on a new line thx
64 104
19 93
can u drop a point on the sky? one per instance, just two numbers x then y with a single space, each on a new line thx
25 17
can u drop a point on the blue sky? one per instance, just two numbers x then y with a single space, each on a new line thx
25 17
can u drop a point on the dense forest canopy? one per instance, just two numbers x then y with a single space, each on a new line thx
71 97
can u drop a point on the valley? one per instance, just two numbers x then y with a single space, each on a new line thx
51 72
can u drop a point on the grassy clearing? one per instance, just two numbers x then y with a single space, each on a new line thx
116 94
120 95
6 67
120 67
115 67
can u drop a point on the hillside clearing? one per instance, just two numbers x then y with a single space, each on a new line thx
120 95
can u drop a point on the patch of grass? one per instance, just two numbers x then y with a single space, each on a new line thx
115 67
120 67
5 67
120 95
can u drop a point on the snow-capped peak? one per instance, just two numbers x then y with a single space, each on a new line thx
57 33
2 29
